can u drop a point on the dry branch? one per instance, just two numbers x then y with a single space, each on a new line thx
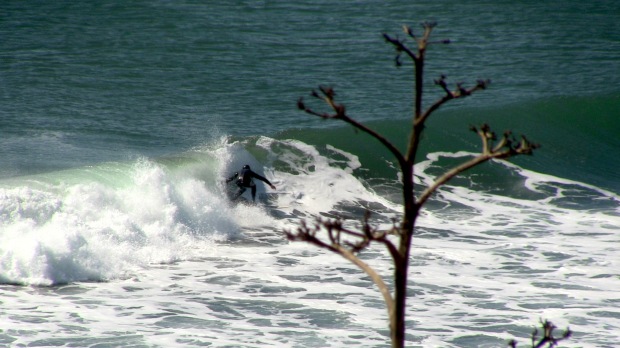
548 338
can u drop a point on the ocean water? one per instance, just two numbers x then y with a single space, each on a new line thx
119 121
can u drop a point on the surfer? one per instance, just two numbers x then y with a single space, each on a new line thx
245 179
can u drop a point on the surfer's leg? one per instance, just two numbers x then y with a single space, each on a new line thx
239 193
253 193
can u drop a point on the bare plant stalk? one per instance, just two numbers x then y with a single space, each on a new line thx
400 250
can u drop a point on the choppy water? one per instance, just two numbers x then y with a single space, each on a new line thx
119 121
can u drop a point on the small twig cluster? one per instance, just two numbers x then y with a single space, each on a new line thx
339 235
506 147
347 243
547 338
421 42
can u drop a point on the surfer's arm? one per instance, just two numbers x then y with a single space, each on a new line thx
262 178
232 177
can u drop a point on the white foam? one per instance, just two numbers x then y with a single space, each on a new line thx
93 231
314 182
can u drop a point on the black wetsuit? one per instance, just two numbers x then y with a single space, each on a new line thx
245 178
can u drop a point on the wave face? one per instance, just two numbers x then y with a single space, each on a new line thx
575 133
99 222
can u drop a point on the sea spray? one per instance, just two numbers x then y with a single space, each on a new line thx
90 229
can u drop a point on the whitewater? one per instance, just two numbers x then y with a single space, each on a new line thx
150 253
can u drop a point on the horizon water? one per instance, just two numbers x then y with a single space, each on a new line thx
120 120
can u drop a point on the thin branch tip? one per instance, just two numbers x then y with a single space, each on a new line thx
483 84
429 24
300 104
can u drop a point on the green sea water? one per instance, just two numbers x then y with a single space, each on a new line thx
82 83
